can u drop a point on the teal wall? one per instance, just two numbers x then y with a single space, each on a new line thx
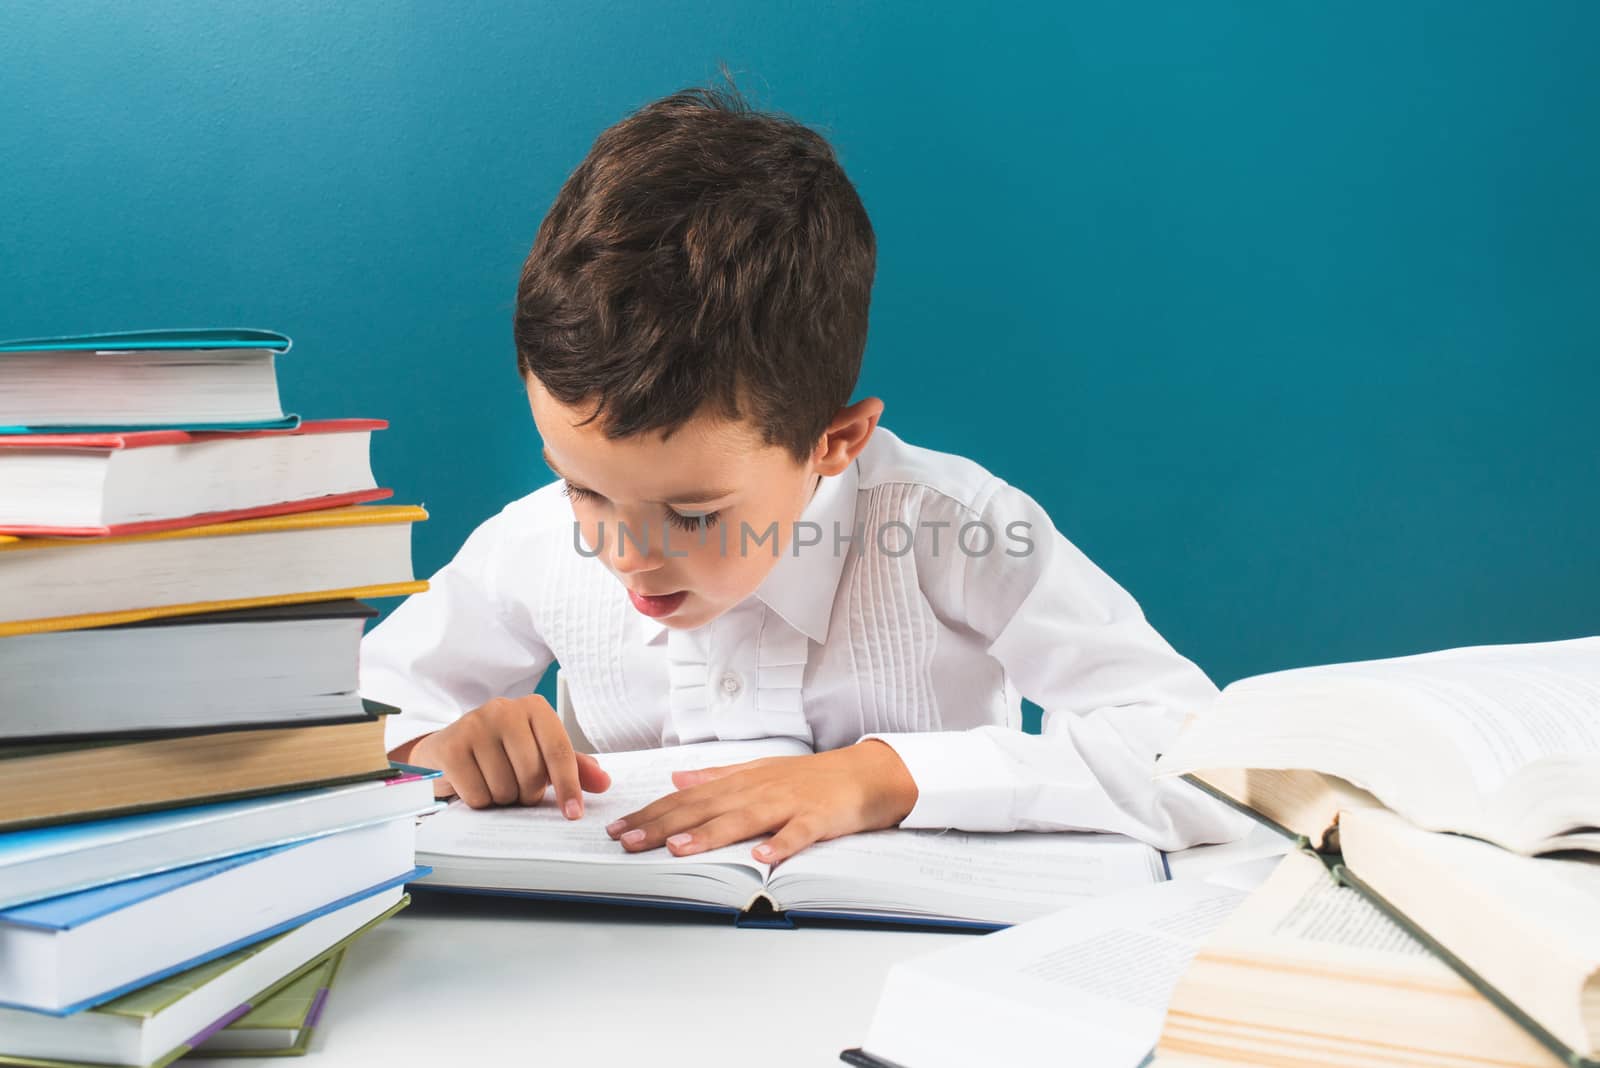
1289 313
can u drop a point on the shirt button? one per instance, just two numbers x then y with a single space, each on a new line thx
731 684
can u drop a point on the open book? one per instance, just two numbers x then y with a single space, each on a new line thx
924 877
1307 972
1498 743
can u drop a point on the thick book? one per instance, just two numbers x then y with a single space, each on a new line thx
1426 783
1501 742
137 482
212 379
282 1024
51 861
49 584
935 878
66 954
253 667
1086 985
43 783
1309 972
156 1024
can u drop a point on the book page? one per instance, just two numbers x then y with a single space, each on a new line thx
1303 913
1023 874
1505 710
637 779
1090 982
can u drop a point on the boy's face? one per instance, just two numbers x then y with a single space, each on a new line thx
677 498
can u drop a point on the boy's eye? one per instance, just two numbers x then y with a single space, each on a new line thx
577 493
693 520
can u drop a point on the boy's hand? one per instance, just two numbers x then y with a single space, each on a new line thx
805 799
506 753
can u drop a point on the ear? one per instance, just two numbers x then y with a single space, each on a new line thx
847 434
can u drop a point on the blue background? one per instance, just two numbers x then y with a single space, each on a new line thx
1288 313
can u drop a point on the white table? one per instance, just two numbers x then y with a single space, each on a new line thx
482 981
488 981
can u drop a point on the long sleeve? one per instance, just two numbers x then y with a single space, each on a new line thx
448 650
1113 692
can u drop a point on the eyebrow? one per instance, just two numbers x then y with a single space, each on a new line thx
685 498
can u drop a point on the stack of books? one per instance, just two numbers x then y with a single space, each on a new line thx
1439 903
197 814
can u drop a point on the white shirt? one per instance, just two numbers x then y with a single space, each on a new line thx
929 649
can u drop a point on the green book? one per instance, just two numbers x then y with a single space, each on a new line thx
281 1025
155 1025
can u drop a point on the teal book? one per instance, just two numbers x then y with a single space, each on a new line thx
207 379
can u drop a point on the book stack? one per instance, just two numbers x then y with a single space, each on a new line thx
197 815
1439 903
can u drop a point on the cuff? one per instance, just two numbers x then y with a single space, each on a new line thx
963 780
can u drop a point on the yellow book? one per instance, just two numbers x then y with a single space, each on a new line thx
51 584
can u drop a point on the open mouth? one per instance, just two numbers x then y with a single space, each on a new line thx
656 607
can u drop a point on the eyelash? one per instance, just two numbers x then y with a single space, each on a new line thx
677 519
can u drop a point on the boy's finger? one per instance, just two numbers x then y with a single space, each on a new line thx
796 835
469 783
591 776
652 833
726 829
655 810
560 759
495 767
696 776
523 751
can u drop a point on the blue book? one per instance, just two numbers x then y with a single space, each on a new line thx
65 954
221 379
47 862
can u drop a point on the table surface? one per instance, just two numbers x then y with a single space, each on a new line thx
467 979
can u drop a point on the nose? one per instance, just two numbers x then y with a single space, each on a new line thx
634 549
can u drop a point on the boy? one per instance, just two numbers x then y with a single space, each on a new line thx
733 549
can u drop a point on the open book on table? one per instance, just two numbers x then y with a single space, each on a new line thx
1307 972
921 877
1439 786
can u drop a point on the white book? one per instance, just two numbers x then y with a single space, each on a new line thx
64 584
1499 742
171 378
908 876
128 482
255 667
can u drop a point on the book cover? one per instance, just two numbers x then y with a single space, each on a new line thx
204 338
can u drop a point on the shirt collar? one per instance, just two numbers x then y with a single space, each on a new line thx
801 586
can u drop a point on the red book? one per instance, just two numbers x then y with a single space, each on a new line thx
110 483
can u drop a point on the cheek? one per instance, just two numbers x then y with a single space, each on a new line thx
721 573
586 515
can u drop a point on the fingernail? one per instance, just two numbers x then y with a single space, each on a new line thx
680 840
572 808
614 826
763 851
633 837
